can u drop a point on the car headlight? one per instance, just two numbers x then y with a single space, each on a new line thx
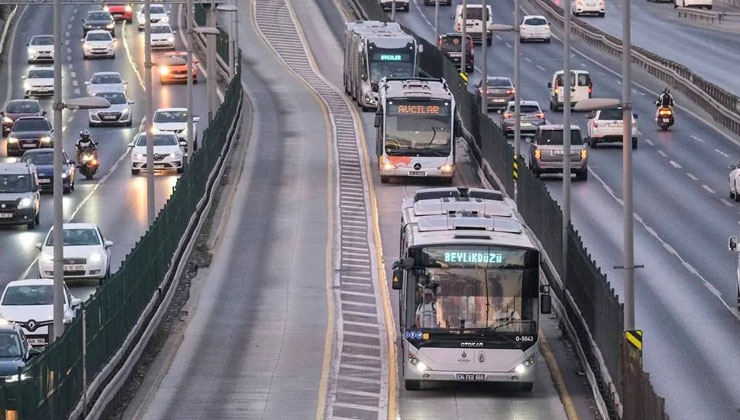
125 112
45 139
165 19
47 258
418 364
110 25
129 9
164 71
7 120
137 155
447 167
25 203
170 38
94 116
30 51
95 257
16 378
175 155
12 139
106 8
26 85
387 164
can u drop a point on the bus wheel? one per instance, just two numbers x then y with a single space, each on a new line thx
526 386
385 179
412 385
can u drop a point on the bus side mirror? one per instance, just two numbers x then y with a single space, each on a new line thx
397 281
378 119
545 304
549 85
732 243
364 76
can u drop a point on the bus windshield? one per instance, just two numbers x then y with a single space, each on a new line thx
391 63
465 294
418 128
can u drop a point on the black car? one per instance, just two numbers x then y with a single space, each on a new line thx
43 159
29 133
15 352
98 19
451 46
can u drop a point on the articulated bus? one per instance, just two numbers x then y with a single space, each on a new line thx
416 129
469 290
373 50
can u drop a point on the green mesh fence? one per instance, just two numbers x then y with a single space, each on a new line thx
52 385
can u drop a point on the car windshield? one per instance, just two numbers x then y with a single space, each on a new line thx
10 345
161 29
23 107
526 109
171 117
115 98
15 183
159 140
555 137
499 82
31 125
611 114
535 21
98 16
156 10
76 237
99 36
41 294
42 40
106 79
39 158
451 43
40 74
418 128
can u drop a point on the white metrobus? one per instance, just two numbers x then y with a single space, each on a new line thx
469 290
416 129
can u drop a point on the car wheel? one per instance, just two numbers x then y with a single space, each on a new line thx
547 40
526 386
634 142
385 179
594 143
134 172
412 384
180 170
489 41
37 219
130 123
31 224
737 196
582 175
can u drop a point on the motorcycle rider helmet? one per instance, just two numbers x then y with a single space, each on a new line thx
85 134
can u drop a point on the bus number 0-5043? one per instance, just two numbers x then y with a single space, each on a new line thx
525 338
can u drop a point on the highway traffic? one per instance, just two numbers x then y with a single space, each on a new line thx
115 199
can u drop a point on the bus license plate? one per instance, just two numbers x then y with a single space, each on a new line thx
6 215
470 377
417 173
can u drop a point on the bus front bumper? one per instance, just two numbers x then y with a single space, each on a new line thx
444 171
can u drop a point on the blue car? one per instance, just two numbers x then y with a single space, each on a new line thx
43 159
15 352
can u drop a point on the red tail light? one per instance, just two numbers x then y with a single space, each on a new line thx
510 91
508 114
596 124
540 115
590 90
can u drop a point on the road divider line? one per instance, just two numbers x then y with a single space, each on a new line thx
650 142
130 59
725 202
700 140
721 153
690 175
541 68
662 153
557 377
706 187
675 164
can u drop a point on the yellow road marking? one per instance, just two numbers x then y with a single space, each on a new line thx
557 377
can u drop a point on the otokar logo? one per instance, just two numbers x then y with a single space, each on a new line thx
471 344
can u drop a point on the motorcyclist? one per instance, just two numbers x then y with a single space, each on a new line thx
664 100
85 143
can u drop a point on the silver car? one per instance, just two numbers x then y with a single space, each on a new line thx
105 81
500 92
119 112
546 151
531 118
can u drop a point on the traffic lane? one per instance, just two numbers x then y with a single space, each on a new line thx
263 316
656 28
675 336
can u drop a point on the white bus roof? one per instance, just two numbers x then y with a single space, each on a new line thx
467 229
415 87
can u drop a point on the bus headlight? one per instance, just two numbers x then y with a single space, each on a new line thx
418 364
387 164
447 168
522 367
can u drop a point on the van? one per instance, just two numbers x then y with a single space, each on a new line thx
474 22
20 203
546 151
581 87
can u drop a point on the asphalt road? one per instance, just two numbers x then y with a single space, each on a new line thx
114 199
686 292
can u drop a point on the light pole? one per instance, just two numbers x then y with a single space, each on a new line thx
149 113
211 33
464 40
496 27
393 10
189 24
566 139
212 65
233 35
629 251
436 20
517 97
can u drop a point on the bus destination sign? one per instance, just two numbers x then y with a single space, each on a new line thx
470 257
403 56
429 108
418 109
390 57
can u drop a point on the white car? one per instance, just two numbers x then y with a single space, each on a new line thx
581 7
38 81
735 187
157 14
30 303
99 43
105 81
605 126
534 27
162 36
699 4
168 153
400 5
86 253
119 112
40 48
175 120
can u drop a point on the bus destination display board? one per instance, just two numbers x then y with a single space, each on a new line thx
391 57
416 108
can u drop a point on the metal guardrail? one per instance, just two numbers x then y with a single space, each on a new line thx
708 15
6 28
723 106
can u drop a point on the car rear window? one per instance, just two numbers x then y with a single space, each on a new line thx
610 114
474 13
99 16
451 43
555 137
526 109
535 22
584 79
499 82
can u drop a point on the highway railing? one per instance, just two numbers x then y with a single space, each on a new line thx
709 16
74 375
723 106
585 300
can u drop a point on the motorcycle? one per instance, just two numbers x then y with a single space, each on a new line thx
665 117
88 163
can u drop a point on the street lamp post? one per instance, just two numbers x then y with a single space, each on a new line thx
212 65
436 20
566 139
149 113
464 39
189 24
517 96
629 251
495 27
211 33
231 9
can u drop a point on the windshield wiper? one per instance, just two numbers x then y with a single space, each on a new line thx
507 323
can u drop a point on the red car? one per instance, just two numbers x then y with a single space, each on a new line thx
174 68
20 108
120 11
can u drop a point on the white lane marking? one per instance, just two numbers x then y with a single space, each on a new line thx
713 290
650 142
66 42
669 248
706 187
508 45
131 60
654 234
9 85
675 164
66 35
541 68
69 58
662 153
74 83
697 139
423 16
529 60
74 11
69 26
71 67
77 91
69 51
721 153
725 202
72 74
690 175
497 36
